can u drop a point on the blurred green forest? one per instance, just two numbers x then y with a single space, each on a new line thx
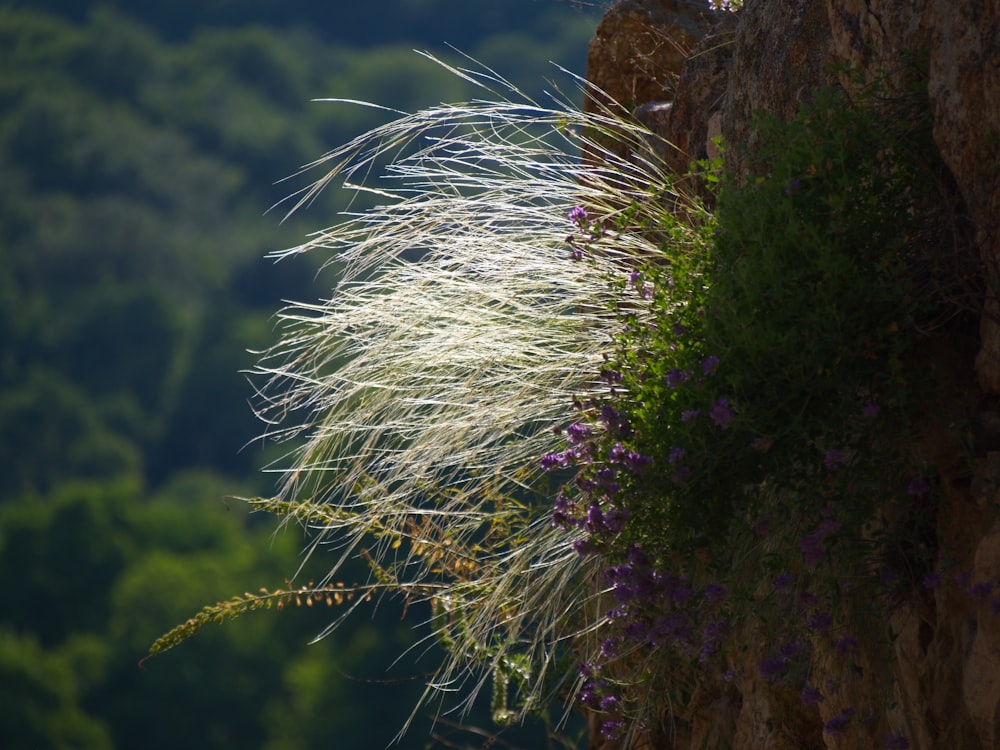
140 147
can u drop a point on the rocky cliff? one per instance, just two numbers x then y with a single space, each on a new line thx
692 74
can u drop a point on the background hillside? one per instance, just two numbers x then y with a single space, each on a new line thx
140 144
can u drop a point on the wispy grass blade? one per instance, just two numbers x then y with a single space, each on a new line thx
459 333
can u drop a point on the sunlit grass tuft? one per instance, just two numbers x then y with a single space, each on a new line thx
461 329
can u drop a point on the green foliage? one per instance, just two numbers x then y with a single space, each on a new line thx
40 693
809 299
768 392
50 432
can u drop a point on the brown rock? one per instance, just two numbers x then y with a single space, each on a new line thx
640 46
690 74
695 117
782 52
964 92
981 679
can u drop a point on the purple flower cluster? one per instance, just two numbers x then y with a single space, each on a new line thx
596 694
657 609
721 414
588 232
596 505
810 696
982 592
837 726
653 607
774 669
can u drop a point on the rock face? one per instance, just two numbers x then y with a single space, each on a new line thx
640 46
691 74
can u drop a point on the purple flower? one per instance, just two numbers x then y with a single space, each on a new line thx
932 580
810 696
896 741
833 459
562 512
576 433
552 461
772 670
783 582
610 417
675 455
609 649
595 519
808 599
618 453
578 215
637 462
676 377
714 593
633 279
614 519
690 415
794 183
846 645
870 410
612 730
584 547
609 703
710 365
637 556
721 414
589 695
981 590
820 621
838 724
917 487
671 628
606 480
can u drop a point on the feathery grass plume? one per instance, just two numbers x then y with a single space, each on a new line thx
459 333
470 313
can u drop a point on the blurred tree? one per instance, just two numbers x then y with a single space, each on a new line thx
139 147
50 431
39 695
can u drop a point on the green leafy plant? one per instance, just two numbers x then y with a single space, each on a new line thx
601 436
757 466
